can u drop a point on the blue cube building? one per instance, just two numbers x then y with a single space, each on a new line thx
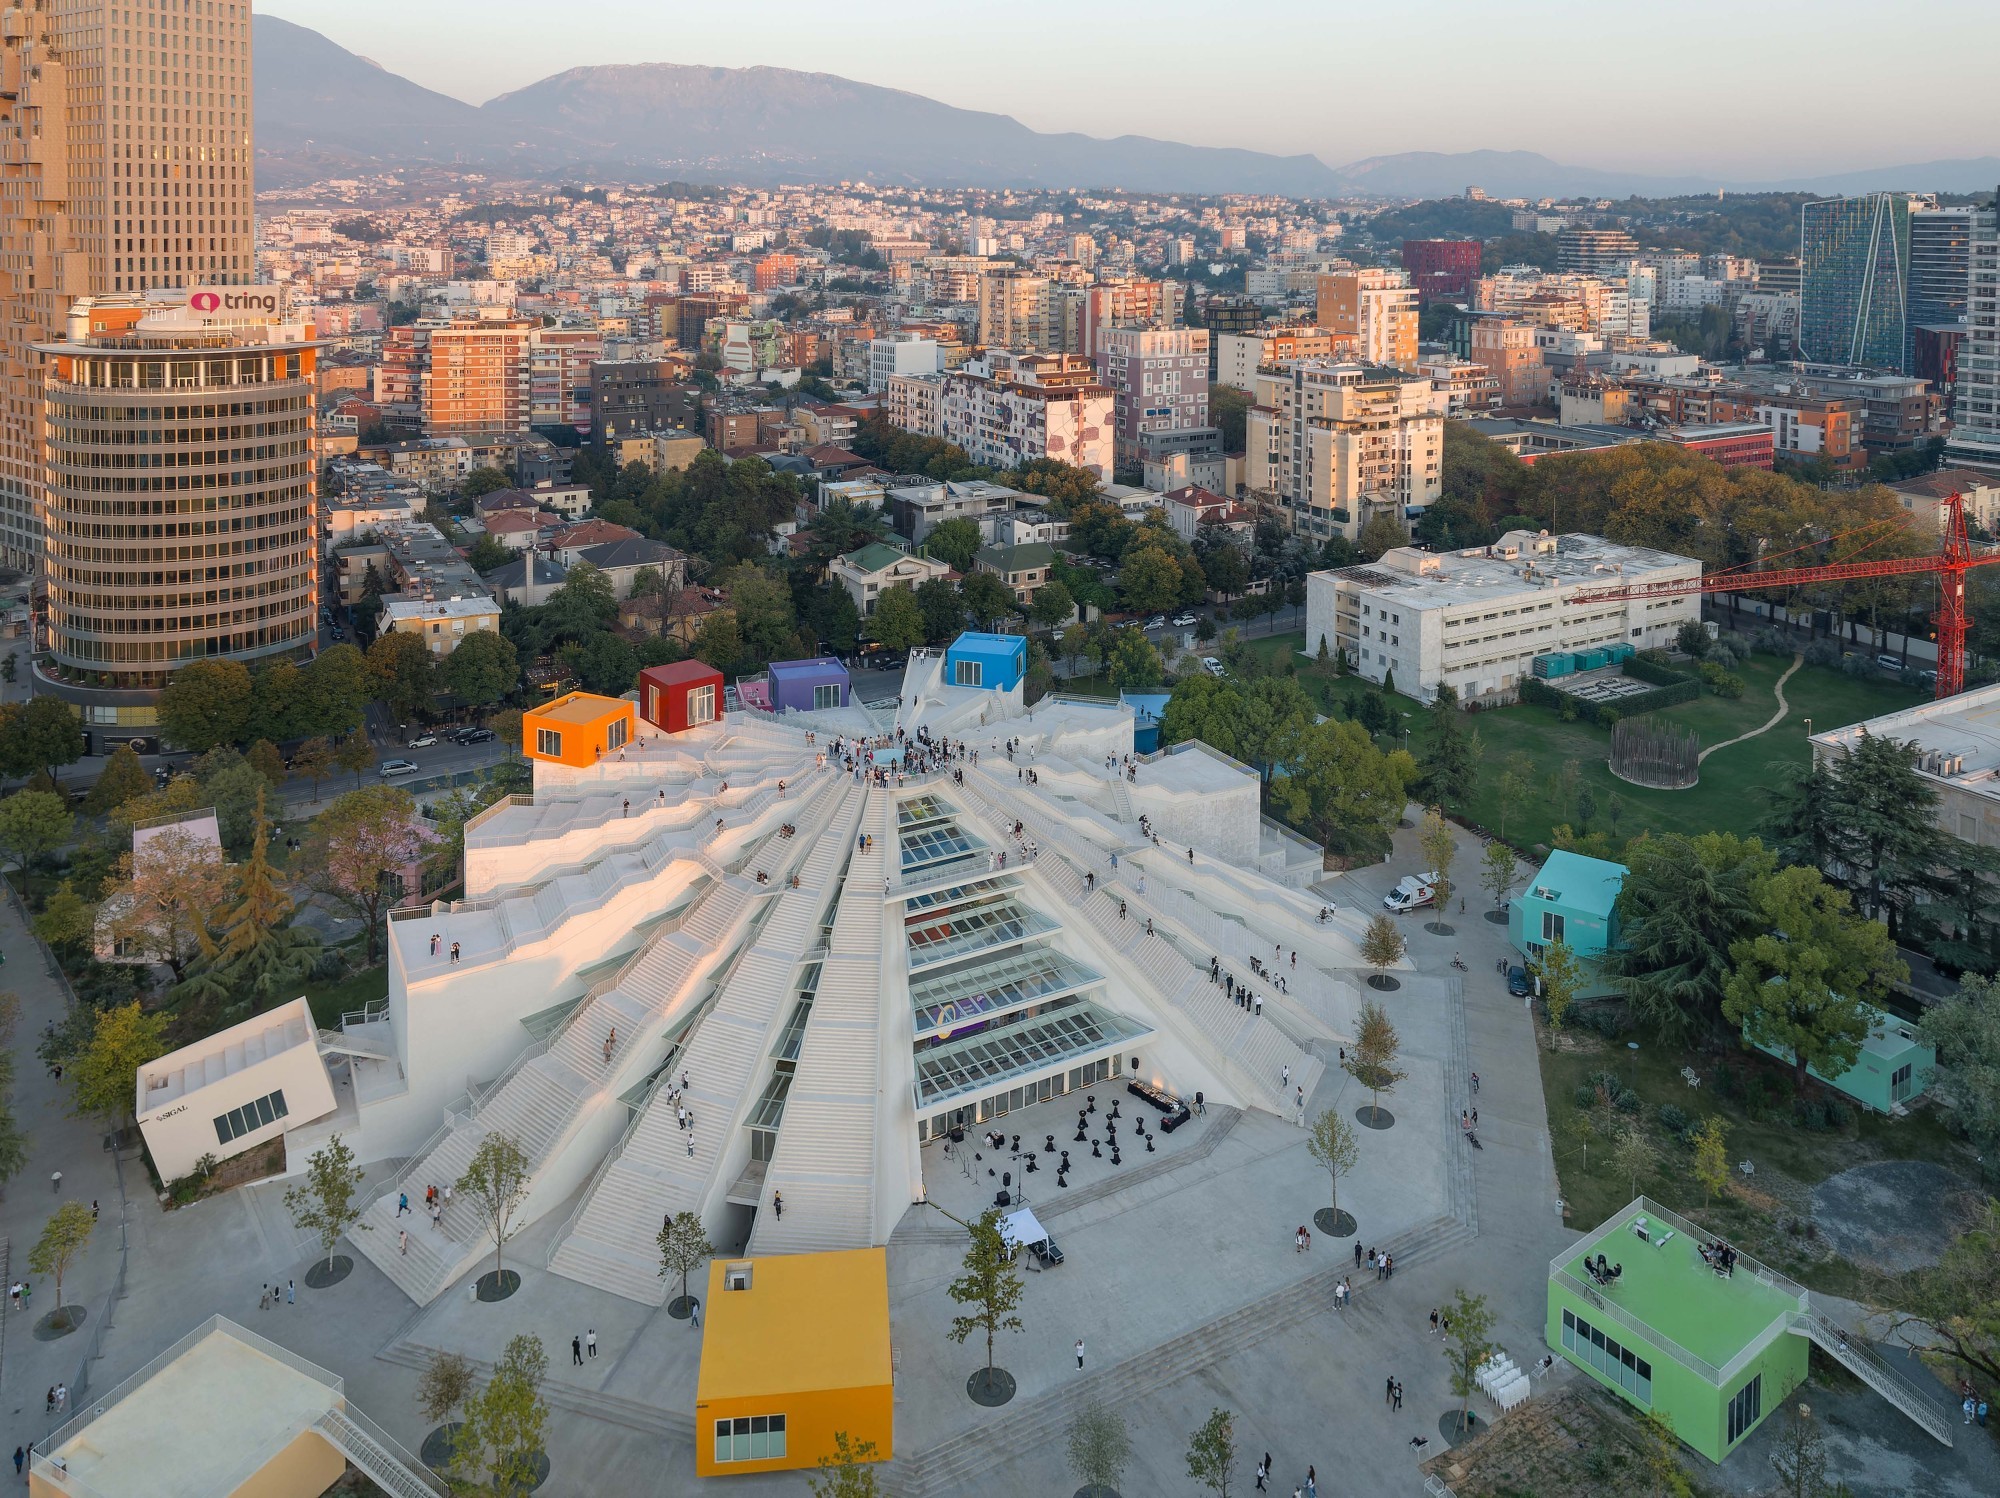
1572 900
1148 708
995 663
808 686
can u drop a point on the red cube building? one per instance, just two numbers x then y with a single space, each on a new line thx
681 696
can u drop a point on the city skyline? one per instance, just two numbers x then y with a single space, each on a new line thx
1774 122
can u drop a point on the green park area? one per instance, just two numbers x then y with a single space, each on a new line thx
1726 798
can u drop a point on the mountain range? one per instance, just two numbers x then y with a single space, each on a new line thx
323 111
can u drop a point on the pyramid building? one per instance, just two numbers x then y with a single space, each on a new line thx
726 954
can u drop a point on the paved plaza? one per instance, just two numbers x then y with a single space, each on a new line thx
1181 1275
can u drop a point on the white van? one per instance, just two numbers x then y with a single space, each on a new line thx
1412 892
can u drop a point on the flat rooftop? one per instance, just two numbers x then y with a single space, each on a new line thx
246 1404
807 1321
1957 740
1665 1286
580 708
1425 579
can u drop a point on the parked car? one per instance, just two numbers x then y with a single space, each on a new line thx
422 741
1185 621
394 767
1158 621
1517 981
1890 663
1213 666
339 633
473 736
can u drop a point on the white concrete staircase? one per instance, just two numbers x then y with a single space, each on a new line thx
541 1099
825 1164
1250 1050
609 1242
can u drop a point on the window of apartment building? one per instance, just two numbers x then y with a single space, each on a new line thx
252 1115
750 1438
548 741
617 736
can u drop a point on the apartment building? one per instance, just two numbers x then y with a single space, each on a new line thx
477 378
1441 268
211 550
1465 388
1333 444
1018 310
889 357
1236 357
1477 619
1505 348
1807 427
912 402
102 192
1019 407
560 361
1593 250
1975 435
1377 309
1158 379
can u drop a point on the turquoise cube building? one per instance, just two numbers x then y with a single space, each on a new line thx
1574 900
1892 1068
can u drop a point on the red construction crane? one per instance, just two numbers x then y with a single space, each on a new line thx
1952 560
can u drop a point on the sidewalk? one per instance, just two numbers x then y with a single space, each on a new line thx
76 1147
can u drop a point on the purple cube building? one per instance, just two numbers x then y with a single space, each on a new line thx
808 686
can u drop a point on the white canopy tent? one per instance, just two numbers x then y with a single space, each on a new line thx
1022 1227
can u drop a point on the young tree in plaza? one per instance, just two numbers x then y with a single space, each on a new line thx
327 1202
444 1386
989 1288
496 1183
1371 1059
684 1247
1099 1449
64 1238
1440 846
848 1472
1469 1348
1333 1148
499 1448
1498 871
1211 1453
1381 942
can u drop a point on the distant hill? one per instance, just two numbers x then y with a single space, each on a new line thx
323 111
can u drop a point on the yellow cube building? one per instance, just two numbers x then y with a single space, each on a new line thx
794 1348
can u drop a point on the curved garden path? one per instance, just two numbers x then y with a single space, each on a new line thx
1775 719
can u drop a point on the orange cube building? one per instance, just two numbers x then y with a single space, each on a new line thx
579 729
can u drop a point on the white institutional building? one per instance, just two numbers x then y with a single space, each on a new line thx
1478 618
843 972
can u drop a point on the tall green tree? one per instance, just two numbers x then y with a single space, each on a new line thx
955 541
1886 834
1802 985
404 673
1134 664
986 598
337 691
206 703
482 669
122 778
1683 904
1099 1449
1449 764
357 851
898 620
943 611
39 736
1051 605
33 824
1954 1306
101 1074
1964 1029
1342 788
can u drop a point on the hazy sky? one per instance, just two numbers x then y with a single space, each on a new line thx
1746 89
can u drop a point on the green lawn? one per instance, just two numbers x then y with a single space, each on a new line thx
331 1000
1787 1158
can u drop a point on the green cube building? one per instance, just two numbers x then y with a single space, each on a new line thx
1712 1352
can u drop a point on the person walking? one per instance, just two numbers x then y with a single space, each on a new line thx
20 1459
590 1342
610 1043
1389 1390
1399 1395
291 1292
778 1205
1357 1253
1312 1481
1079 1354
402 1203
576 1352
454 951
1285 1072
402 1242
1434 1323
1444 1326
1262 1472
694 1313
